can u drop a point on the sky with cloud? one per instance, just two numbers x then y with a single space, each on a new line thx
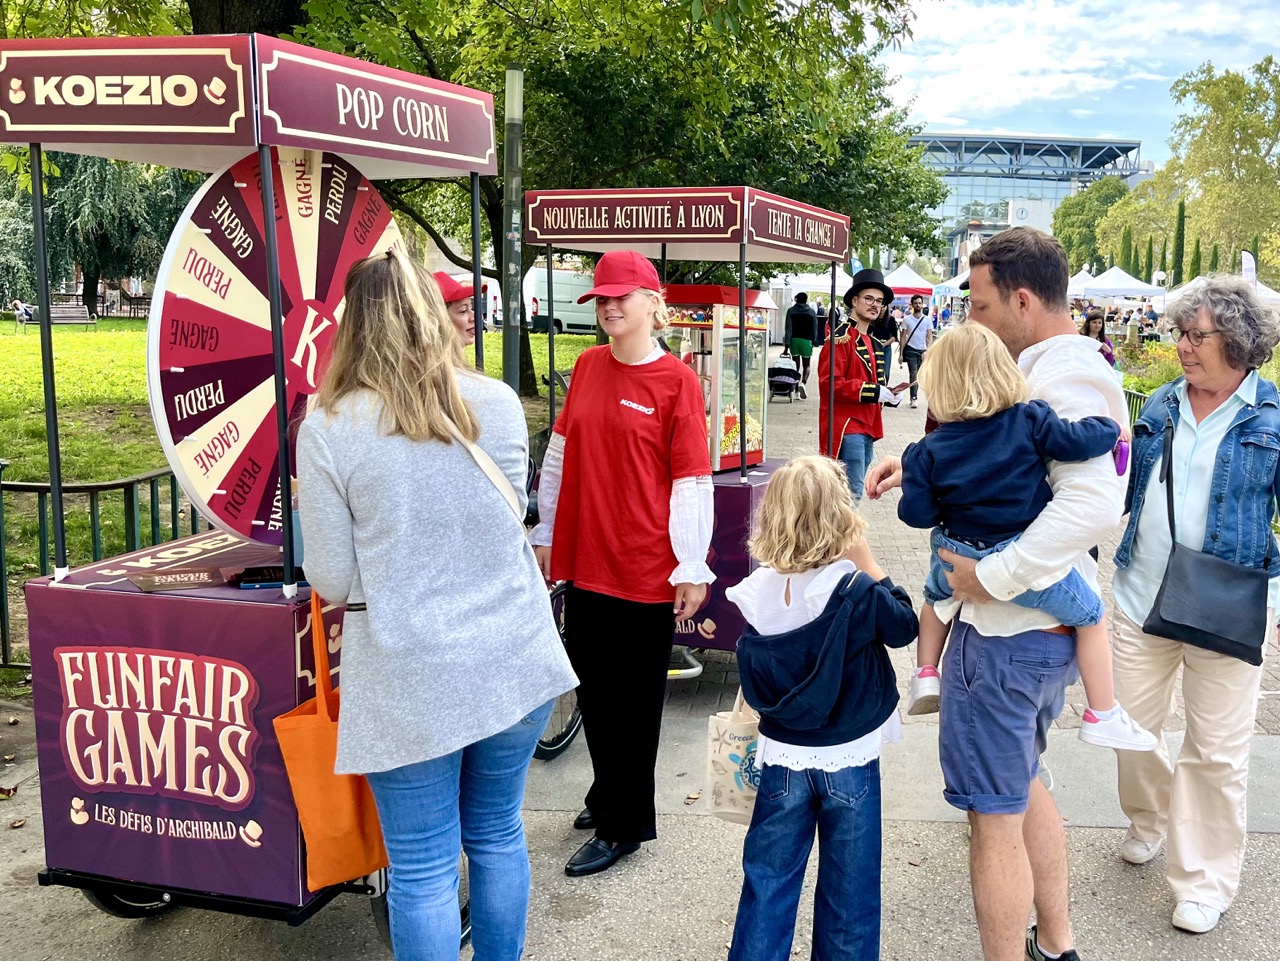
1075 68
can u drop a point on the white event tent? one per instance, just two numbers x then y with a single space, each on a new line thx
907 283
951 288
1075 286
1116 283
1265 293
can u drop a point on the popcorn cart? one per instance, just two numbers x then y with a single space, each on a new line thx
706 334
733 224
156 680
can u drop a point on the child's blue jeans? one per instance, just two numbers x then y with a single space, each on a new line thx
844 807
1070 601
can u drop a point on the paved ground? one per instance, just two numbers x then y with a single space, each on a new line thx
676 898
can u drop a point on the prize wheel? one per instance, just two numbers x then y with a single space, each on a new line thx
210 373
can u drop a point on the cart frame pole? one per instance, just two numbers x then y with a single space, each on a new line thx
267 172
662 271
829 344
43 298
478 300
551 335
742 359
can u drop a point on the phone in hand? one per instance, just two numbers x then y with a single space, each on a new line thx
1121 454
903 386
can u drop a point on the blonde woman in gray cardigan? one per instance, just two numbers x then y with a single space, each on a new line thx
451 658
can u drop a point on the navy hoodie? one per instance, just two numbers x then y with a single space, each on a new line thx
830 681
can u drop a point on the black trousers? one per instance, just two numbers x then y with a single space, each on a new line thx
620 651
913 359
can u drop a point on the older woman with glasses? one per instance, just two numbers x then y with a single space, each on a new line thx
1225 461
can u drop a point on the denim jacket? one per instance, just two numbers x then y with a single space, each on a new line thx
1245 486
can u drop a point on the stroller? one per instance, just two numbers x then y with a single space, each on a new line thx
784 378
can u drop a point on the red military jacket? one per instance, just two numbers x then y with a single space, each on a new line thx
857 395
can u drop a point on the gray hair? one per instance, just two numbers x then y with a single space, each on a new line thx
1250 329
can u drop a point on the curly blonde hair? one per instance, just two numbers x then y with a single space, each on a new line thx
968 374
807 518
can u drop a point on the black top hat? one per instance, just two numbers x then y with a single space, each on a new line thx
870 277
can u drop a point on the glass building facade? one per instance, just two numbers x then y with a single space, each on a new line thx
994 182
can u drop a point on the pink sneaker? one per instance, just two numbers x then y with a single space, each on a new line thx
924 690
1119 732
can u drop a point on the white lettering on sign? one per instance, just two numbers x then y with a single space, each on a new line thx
125 90
305 356
420 120
363 107
647 217
337 190
707 215
576 218
207 273
159 722
234 230
198 400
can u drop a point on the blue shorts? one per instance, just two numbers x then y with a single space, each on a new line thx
999 696
1070 601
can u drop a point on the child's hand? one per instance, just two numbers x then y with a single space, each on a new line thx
861 555
1126 435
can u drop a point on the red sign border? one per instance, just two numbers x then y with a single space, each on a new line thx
735 196
785 203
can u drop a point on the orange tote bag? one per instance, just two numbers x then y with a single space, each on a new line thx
338 817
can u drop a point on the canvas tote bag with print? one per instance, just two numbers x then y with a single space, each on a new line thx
336 811
732 777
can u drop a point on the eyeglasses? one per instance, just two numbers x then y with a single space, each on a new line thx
872 301
1193 334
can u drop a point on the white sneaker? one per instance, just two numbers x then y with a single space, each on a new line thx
1120 732
1195 917
924 693
1137 851
913 405
803 395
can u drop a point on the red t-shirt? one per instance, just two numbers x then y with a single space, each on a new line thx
629 431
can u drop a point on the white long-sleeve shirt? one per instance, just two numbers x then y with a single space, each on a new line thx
1069 373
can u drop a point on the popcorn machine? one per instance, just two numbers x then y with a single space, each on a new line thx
705 332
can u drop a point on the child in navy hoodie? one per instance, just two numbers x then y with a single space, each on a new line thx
814 664
979 480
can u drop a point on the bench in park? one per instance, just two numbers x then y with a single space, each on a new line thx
562 380
59 314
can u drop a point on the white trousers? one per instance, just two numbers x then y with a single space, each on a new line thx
1197 803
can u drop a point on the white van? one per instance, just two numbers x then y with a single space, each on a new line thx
571 317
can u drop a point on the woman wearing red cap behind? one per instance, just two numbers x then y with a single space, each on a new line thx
626 508
458 301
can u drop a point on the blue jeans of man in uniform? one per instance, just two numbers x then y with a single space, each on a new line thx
434 810
844 808
856 451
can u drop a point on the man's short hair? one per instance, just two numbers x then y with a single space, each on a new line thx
1025 258
919 297
802 298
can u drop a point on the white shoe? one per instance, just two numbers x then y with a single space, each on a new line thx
803 395
1120 732
924 693
1137 851
1195 917
913 405
1044 774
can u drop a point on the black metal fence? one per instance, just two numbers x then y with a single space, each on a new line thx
150 493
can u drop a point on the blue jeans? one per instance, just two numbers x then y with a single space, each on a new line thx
856 451
1071 601
430 812
844 807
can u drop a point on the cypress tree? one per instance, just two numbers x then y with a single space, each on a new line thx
875 258
1213 260
1164 256
1193 269
1179 244
1150 265
1111 260
1126 250
1253 248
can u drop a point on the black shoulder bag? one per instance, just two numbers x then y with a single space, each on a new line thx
1204 600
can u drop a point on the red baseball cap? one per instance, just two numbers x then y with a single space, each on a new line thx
450 289
619 272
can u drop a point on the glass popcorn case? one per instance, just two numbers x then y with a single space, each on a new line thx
705 332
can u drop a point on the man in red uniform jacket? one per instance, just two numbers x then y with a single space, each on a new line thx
858 394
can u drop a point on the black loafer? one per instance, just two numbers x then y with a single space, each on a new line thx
596 856
585 821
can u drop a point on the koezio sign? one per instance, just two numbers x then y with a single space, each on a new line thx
709 223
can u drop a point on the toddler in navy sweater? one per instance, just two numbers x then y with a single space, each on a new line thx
979 481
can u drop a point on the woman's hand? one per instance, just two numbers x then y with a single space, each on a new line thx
543 555
689 598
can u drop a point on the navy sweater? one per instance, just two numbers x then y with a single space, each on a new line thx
987 479
830 681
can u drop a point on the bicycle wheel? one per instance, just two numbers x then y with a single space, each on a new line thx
566 716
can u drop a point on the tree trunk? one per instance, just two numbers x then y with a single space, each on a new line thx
90 290
272 17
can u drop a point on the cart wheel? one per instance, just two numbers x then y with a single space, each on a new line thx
122 906
382 918
566 716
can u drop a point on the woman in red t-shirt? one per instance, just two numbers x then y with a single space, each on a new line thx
626 506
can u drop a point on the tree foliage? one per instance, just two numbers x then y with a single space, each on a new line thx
86 18
1149 264
1179 243
1126 251
1193 268
1076 221
1213 260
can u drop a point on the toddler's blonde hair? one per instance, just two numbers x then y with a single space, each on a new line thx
807 518
968 374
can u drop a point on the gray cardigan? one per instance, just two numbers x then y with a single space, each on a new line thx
458 642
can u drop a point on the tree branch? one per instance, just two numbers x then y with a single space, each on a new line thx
395 202
432 69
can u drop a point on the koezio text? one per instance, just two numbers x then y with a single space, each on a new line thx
160 722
